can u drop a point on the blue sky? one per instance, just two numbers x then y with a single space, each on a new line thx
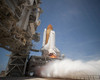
77 27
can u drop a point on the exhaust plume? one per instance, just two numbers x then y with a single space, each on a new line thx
68 68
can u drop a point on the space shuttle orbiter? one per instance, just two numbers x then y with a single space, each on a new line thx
48 48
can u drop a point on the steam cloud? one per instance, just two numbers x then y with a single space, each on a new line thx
69 69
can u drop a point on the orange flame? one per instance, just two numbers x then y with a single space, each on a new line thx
52 55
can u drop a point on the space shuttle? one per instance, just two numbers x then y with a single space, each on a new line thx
48 47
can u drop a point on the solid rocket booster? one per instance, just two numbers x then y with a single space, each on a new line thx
49 43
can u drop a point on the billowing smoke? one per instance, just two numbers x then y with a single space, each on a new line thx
70 68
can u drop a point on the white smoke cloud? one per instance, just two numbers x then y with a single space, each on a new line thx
68 68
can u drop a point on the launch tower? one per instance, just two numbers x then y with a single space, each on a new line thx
19 20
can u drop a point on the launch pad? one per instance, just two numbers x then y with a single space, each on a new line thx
36 62
32 78
91 77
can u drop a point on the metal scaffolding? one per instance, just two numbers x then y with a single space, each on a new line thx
19 20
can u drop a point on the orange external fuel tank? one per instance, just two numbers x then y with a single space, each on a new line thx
49 28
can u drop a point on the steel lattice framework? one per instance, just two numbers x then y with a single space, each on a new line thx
19 20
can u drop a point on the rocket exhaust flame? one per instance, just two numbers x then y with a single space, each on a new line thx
52 55
70 69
